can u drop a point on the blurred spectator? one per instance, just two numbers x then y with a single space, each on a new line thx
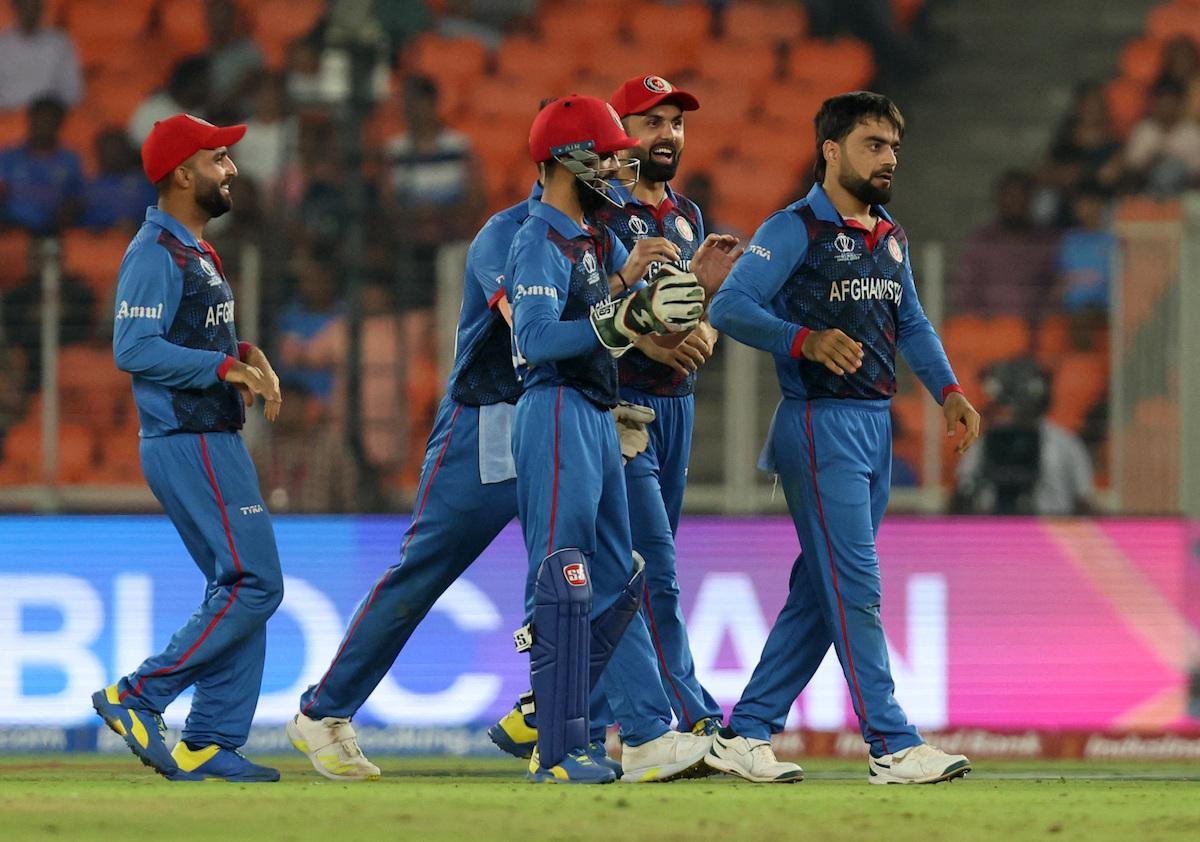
381 391
186 93
1023 463
311 184
1162 155
1181 64
234 59
486 21
23 316
1007 265
1085 149
40 182
700 189
120 193
37 61
303 464
1085 256
270 133
305 82
316 304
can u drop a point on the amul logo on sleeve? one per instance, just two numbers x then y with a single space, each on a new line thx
124 311
576 574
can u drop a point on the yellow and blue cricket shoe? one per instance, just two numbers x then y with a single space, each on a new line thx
707 727
142 731
216 763
599 754
513 734
576 768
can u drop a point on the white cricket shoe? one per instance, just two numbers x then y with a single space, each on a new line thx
331 745
751 759
923 764
673 755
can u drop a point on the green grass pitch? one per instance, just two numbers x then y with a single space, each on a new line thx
109 797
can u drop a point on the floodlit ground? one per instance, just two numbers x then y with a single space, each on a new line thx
113 797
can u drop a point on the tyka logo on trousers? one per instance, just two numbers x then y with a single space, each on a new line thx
253 510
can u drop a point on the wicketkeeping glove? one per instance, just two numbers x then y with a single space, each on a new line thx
674 301
631 428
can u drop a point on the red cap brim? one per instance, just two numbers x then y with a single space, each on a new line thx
225 136
683 99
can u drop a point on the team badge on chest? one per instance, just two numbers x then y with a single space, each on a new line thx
684 228
894 250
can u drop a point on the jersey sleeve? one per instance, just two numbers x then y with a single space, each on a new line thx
148 293
919 342
486 259
540 278
741 308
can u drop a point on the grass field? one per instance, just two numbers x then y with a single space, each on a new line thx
113 797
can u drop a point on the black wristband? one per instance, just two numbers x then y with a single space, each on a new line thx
623 281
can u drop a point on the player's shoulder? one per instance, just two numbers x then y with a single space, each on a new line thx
688 208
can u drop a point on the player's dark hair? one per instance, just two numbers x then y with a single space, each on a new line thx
840 114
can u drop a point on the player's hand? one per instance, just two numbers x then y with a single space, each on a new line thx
273 398
250 381
714 260
833 349
674 302
631 428
682 354
645 252
958 410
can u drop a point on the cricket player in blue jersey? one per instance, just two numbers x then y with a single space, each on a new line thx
826 286
663 377
570 484
174 332
466 496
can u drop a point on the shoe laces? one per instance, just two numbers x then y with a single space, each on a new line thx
342 734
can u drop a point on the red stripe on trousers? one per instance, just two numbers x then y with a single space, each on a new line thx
812 453
554 493
212 478
662 659
382 579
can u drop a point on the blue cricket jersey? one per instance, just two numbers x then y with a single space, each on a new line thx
483 369
556 274
173 331
807 269
677 219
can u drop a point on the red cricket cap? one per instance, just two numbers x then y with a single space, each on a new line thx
175 139
577 122
641 93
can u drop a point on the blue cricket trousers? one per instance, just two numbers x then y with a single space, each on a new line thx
455 519
209 489
834 459
571 494
655 481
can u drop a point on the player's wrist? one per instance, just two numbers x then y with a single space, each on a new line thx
797 350
226 364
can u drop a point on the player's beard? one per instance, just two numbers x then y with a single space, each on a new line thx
210 198
863 190
590 199
656 172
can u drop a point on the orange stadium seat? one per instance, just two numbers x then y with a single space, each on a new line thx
91 389
182 23
618 60
1170 19
12 127
1005 336
906 11
448 60
120 462
1126 100
1141 60
535 62
738 63
22 463
96 259
960 336
101 27
14 257
277 23
1080 380
765 23
1053 339
688 23
831 67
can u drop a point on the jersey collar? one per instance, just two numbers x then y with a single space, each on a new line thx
557 220
669 201
176 228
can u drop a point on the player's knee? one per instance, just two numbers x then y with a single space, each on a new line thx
263 595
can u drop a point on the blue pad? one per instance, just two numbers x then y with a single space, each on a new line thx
609 625
559 655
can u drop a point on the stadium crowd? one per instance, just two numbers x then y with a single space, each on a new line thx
441 149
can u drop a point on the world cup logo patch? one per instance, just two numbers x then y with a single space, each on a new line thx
589 262
638 226
894 250
657 85
684 229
